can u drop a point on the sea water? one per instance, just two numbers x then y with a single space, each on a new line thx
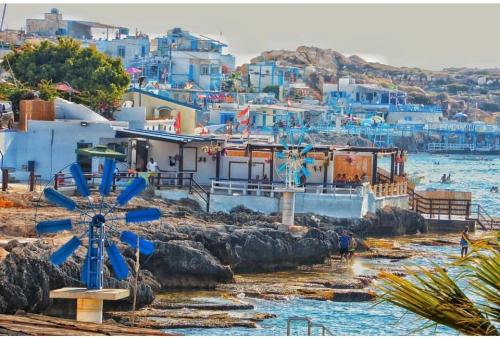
343 318
468 173
474 173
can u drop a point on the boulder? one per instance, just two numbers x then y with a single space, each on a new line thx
186 264
27 276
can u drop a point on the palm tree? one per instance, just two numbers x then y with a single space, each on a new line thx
434 295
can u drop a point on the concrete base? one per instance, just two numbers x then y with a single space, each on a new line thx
89 310
89 303
288 209
451 226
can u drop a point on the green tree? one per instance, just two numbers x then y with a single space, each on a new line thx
46 90
88 71
434 295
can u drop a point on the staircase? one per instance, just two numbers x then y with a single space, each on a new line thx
483 219
310 325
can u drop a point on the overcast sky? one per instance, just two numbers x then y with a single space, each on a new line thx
427 36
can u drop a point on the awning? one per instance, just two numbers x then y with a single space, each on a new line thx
161 136
100 151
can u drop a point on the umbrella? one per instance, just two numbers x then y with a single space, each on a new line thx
133 70
100 151
377 119
66 88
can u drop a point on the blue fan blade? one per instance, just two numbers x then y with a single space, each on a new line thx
282 167
130 238
284 144
107 177
291 138
84 273
301 138
80 181
148 214
60 256
307 149
280 155
59 199
52 226
296 177
305 171
116 260
309 161
135 188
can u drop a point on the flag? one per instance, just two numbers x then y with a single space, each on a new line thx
246 132
243 116
177 124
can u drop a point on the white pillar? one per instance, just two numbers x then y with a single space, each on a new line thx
288 209
89 310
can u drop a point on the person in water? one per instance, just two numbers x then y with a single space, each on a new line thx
494 189
443 178
448 178
464 242
344 245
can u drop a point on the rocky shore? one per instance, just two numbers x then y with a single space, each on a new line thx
195 250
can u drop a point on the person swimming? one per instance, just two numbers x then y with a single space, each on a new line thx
494 189
464 242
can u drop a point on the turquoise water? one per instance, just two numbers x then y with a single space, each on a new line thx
342 318
468 173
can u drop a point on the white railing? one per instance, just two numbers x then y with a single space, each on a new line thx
441 146
228 187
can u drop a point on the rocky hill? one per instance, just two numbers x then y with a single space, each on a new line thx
456 89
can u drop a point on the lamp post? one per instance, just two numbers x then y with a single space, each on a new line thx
70 90
170 45
141 81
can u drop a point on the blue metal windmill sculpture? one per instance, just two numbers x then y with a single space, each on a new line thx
295 158
294 167
98 218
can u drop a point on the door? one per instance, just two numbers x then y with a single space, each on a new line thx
141 156
190 158
84 161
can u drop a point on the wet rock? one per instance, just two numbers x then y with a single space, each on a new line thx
353 295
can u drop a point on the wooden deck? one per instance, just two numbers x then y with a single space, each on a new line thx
41 325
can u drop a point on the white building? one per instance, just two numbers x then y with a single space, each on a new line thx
52 144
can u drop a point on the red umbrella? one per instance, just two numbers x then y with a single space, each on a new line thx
66 88
133 70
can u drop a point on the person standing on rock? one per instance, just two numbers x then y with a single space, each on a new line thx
344 245
464 242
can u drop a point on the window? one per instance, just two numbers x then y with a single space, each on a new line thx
204 70
121 51
143 51
215 69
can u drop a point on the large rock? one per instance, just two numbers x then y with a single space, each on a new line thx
27 276
267 249
391 221
186 264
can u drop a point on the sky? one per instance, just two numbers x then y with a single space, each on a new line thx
424 35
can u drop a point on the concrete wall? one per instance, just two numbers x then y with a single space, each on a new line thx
51 144
353 206
393 117
149 102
